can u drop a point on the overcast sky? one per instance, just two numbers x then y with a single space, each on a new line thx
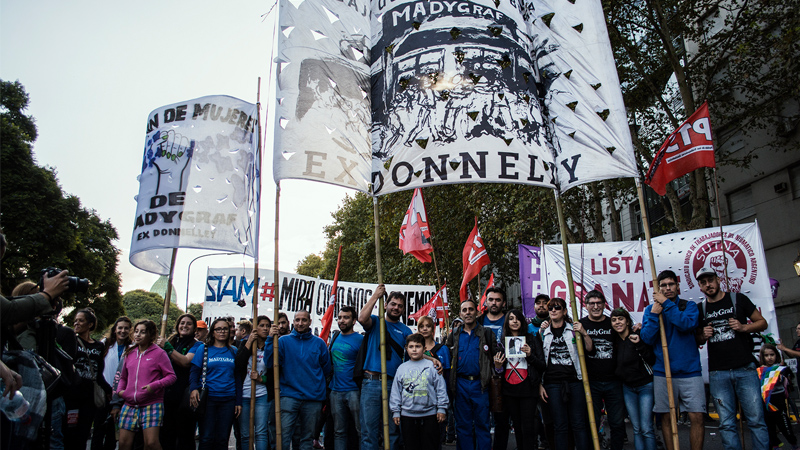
95 70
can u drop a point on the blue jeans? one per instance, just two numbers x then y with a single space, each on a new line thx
472 415
273 435
372 416
639 402
610 394
56 419
743 384
345 406
215 425
259 423
568 407
301 415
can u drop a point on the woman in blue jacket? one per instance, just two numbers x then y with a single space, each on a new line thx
224 401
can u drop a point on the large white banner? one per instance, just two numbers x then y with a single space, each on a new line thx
621 270
198 187
406 94
226 287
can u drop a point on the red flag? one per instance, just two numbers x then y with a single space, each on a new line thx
688 148
327 319
474 257
431 308
482 306
415 236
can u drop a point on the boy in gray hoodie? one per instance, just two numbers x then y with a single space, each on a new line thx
419 398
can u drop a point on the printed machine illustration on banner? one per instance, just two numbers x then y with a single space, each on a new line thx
198 186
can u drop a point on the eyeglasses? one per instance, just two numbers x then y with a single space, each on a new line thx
221 330
595 304
555 308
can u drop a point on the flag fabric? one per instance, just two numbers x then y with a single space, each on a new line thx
415 235
474 257
434 308
482 305
327 318
770 377
198 185
689 147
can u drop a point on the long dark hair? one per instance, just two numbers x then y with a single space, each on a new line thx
175 336
150 328
210 338
778 356
111 336
523 329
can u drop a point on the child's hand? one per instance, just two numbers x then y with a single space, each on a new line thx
441 417
397 421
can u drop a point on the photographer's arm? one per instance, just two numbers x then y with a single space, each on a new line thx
26 308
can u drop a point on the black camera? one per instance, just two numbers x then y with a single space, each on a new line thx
75 284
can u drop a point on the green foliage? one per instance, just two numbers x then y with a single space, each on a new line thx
310 266
140 304
46 227
196 309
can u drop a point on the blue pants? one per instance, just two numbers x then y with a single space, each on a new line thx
610 394
260 426
743 384
568 407
639 402
300 415
344 408
372 416
215 425
472 415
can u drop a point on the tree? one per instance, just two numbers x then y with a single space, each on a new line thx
46 227
140 304
196 309
310 266
741 55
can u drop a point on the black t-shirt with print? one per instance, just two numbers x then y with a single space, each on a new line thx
600 362
559 363
728 349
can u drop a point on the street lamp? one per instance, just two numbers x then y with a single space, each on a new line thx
189 272
797 264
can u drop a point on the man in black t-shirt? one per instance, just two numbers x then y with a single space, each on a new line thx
601 365
731 366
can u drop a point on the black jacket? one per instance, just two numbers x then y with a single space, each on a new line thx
631 359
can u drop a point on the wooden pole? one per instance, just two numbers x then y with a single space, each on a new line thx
254 360
673 417
578 337
276 311
168 296
381 314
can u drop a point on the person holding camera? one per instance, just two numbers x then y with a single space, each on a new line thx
26 308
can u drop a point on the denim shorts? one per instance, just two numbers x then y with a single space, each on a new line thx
690 394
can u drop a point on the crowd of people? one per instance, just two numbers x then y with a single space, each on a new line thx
496 370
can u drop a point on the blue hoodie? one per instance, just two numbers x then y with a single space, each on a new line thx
684 358
305 363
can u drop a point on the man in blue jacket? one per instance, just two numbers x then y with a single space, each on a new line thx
681 319
305 364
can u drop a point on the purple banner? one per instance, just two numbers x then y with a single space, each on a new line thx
530 277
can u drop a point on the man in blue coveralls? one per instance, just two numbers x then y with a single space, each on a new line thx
472 347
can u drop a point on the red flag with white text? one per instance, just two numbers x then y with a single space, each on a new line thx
482 304
689 147
327 319
474 257
435 308
415 235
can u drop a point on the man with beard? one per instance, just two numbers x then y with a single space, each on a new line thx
681 319
472 348
540 307
344 397
302 381
494 319
396 333
601 364
732 371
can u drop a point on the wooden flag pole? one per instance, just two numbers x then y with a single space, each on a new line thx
254 362
168 296
276 311
673 417
578 337
381 313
